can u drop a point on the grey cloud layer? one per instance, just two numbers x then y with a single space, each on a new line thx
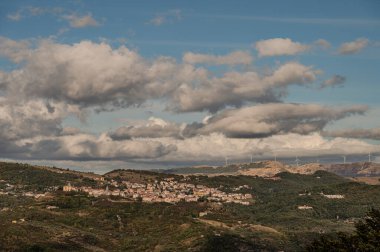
153 128
89 147
272 119
373 134
157 128
33 130
259 121
216 147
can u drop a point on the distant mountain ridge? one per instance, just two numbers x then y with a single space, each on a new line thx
271 168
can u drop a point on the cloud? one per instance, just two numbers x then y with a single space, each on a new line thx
16 51
336 80
233 58
92 74
237 88
279 46
14 16
258 121
273 119
49 82
353 47
373 134
70 131
158 20
32 118
153 128
77 21
169 16
33 130
32 11
36 11
202 148
156 128
86 147
216 147
323 43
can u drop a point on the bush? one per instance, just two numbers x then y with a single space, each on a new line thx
365 238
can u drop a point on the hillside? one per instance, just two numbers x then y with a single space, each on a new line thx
271 168
136 176
285 213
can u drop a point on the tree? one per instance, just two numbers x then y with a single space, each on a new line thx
365 238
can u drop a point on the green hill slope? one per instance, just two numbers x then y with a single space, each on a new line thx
75 221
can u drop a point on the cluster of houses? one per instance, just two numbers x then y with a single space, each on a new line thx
167 190
329 196
238 188
333 196
305 207
9 189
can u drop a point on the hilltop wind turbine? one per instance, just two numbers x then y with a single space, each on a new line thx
297 161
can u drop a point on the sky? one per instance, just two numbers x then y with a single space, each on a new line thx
157 84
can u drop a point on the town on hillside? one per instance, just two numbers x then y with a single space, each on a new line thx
168 190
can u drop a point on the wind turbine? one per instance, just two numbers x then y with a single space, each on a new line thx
369 157
297 161
251 158
344 159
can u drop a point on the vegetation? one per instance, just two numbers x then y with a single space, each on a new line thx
75 221
37 178
139 176
365 238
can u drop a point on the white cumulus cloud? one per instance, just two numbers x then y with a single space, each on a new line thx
279 46
233 58
353 47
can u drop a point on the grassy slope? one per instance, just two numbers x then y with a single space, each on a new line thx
88 224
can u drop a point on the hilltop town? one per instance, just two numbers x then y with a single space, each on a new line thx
168 190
